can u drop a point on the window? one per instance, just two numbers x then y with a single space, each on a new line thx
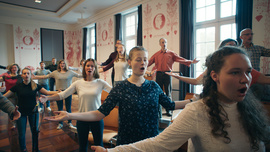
130 24
91 48
214 22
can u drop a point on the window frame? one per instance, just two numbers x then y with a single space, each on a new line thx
217 23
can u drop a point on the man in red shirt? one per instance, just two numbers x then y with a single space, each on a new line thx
164 60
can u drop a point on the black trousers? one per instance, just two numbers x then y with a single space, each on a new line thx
165 81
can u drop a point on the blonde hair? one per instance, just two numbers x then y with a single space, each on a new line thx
33 84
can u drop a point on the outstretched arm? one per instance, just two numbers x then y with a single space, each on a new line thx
82 116
54 97
46 92
193 81
181 104
263 79
8 94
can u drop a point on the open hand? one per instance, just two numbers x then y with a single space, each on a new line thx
172 74
98 149
59 116
195 61
16 114
43 98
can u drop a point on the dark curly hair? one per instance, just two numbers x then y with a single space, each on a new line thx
252 115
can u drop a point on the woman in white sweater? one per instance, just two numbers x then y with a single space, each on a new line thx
89 90
227 118
120 65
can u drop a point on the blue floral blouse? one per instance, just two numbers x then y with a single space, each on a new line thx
138 109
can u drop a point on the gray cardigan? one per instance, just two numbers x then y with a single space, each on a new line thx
6 106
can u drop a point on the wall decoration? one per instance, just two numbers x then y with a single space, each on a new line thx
27 46
73 47
261 14
161 19
105 43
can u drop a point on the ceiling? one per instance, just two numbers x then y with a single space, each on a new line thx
60 11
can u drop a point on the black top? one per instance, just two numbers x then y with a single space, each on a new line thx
3 67
51 67
26 97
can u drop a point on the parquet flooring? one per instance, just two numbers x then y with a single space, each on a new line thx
50 139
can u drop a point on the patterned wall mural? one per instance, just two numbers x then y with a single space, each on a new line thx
73 47
105 43
27 46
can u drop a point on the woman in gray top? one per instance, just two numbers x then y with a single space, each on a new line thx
63 79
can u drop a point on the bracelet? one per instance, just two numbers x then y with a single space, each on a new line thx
190 100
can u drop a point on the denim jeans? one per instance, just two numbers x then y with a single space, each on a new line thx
67 104
47 102
83 129
33 119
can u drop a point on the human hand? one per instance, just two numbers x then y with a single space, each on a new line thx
59 116
43 98
98 149
3 87
153 72
195 61
172 74
16 114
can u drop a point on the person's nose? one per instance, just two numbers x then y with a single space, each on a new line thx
245 78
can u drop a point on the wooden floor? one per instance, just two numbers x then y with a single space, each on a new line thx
50 139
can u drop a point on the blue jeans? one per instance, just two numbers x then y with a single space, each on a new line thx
67 104
47 102
33 119
83 128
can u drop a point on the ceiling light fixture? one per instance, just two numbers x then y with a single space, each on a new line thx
38 1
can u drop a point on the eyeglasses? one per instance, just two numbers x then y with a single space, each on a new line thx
248 34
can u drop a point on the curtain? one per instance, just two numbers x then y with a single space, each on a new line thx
84 42
139 31
243 16
118 28
95 41
186 40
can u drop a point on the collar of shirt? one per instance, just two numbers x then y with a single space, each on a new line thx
243 46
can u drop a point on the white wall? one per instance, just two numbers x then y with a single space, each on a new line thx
7 55
6 45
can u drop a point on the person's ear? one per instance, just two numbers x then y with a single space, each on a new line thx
129 62
214 76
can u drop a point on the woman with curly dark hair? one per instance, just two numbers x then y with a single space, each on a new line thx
227 118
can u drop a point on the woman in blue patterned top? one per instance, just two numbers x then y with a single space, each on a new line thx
138 101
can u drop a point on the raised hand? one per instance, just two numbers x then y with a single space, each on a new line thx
43 98
59 116
16 114
172 74
195 61
98 149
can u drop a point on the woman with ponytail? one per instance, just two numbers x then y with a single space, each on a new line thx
28 105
